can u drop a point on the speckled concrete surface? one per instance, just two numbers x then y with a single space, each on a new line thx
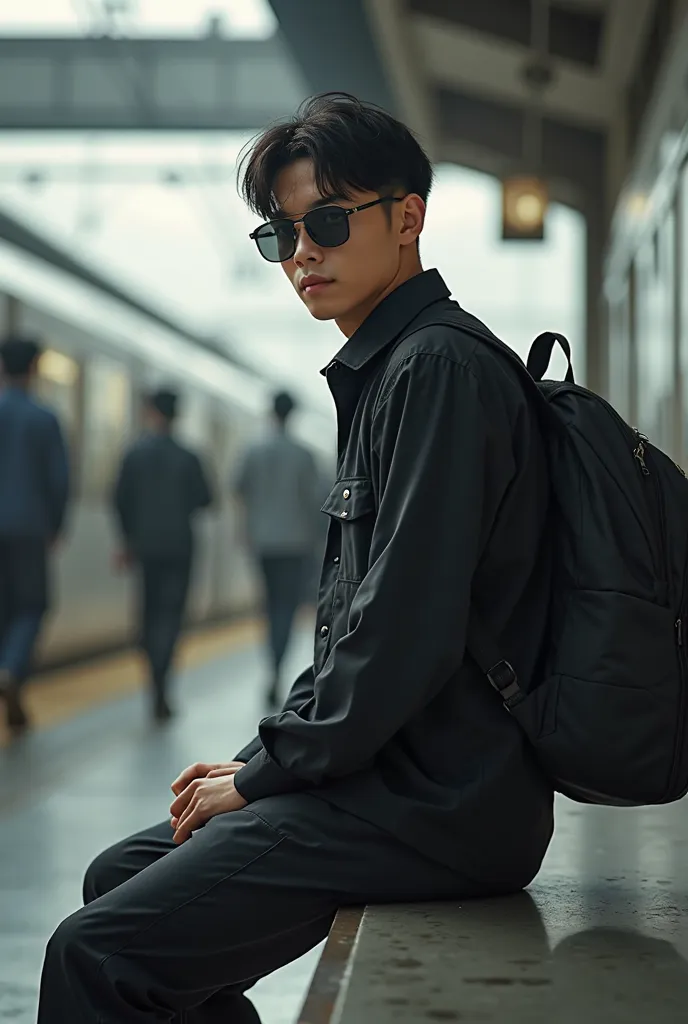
600 938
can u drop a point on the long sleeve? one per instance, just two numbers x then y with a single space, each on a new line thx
299 695
441 472
57 463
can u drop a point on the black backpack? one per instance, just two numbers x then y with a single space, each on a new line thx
609 719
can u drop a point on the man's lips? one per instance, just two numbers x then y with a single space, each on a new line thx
313 285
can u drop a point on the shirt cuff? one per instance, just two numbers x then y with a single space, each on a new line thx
263 777
250 750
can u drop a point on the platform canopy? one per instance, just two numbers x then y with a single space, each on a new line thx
556 88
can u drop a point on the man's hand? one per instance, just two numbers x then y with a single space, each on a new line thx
203 799
200 770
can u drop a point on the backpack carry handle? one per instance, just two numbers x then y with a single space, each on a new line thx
541 353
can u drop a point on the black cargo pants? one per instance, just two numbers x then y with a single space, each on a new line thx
164 592
179 933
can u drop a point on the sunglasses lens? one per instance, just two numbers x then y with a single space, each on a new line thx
275 241
328 226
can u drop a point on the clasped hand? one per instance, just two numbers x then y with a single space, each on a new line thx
201 792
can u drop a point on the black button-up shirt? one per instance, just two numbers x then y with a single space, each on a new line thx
441 499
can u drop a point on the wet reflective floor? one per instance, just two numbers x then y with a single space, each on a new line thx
602 936
72 789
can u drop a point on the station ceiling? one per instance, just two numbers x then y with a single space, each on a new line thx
459 71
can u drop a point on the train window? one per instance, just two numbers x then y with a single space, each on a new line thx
58 385
108 418
195 420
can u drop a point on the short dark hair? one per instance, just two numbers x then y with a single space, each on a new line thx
165 402
283 405
354 146
18 354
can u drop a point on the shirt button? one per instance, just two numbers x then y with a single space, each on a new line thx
324 630
343 515
347 493
336 559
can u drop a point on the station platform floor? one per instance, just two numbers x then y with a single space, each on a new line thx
96 769
602 937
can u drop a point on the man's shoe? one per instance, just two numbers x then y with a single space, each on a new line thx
15 714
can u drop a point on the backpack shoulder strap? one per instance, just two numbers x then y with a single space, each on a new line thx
479 642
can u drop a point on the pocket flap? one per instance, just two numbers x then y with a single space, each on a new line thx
350 499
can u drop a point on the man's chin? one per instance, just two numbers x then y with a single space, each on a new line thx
321 309
322 314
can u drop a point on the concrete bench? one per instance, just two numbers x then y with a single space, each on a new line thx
600 938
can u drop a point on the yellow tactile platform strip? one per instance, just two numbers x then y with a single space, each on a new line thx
69 691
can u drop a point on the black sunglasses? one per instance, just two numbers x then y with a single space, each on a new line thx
326 225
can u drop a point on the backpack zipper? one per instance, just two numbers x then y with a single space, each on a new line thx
641 454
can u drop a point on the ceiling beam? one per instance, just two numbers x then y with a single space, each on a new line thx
335 48
626 28
573 158
400 52
146 84
467 60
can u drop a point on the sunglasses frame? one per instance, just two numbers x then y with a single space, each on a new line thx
304 220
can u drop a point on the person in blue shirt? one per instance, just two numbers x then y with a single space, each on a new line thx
34 487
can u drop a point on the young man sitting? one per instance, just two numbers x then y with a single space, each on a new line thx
393 772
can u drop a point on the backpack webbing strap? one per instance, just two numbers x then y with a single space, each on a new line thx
500 673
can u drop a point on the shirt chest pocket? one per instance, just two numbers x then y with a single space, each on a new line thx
351 508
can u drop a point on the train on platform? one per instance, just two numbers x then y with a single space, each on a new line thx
100 356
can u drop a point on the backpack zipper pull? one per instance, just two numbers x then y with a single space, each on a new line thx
639 453
679 632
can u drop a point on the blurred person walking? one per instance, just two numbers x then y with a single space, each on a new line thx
279 486
34 486
160 486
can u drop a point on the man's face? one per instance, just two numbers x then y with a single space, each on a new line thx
358 273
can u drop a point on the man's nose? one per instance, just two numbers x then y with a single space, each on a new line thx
306 249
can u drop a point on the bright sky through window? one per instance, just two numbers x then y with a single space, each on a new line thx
241 19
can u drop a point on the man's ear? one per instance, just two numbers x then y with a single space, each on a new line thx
413 219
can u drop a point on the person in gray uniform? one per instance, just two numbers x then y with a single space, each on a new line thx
278 485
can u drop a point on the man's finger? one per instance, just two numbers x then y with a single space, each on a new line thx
231 769
194 771
180 804
194 818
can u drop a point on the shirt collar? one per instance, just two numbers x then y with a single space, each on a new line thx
387 321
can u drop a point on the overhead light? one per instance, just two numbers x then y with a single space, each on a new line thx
524 208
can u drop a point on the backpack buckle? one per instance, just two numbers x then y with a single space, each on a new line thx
504 680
